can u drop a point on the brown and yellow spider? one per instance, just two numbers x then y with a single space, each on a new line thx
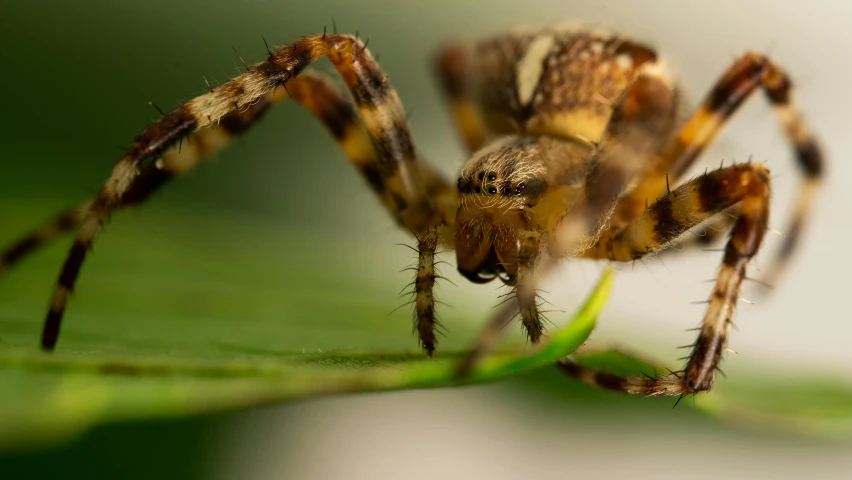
575 136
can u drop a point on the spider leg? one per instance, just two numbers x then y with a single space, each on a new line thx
524 303
176 160
667 385
326 102
64 222
425 322
452 69
714 228
319 95
744 77
525 289
642 115
744 185
312 90
705 235
378 105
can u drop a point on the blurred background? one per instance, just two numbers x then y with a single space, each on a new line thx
77 79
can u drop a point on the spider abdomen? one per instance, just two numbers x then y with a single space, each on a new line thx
554 81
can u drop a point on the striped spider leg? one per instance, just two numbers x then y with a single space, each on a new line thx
749 73
413 193
176 160
741 192
746 186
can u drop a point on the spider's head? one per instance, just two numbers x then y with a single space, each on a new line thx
498 188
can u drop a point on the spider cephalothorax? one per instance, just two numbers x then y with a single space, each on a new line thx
578 148
504 193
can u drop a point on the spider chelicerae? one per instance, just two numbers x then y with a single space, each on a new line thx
578 148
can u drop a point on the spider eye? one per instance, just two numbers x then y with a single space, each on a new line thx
481 175
492 190
520 189
492 176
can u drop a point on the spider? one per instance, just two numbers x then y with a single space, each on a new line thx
578 148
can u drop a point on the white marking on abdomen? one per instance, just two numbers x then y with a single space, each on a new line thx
529 67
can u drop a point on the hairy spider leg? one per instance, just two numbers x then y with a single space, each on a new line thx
312 90
425 321
525 288
709 232
746 186
377 103
326 102
176 160
743 77
64 222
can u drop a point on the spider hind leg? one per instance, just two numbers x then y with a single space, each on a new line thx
748 74
379 108
746 186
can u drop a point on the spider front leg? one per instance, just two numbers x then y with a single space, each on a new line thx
379 107
748 74
744 186
425 322
312 90
522 301
529 247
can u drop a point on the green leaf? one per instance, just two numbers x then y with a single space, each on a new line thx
100 374
803 404
64 394
806 404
